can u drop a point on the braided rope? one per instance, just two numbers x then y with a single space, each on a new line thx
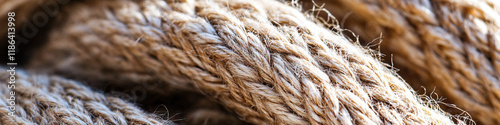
262 59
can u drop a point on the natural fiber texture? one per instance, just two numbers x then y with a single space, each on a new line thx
451 46
198 110
41 99
262 59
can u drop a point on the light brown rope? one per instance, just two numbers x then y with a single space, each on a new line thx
262 59
41 99
452 46
183 106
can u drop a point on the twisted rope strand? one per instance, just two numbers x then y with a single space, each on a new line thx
448 45
41 99
261 59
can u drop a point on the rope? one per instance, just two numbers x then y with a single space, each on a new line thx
264 60
41 99
449 47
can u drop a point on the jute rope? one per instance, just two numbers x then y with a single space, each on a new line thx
41 99
261 59
191 109
448 46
